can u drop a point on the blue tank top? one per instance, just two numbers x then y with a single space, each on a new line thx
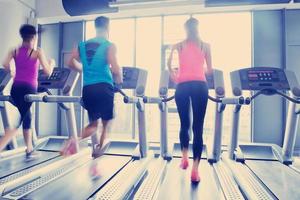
93 55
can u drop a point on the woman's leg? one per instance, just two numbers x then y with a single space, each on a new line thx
183 106
199 98
9 134
17 93
27 133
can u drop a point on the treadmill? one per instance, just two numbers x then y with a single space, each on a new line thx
15 168
260 168
120 172
165 180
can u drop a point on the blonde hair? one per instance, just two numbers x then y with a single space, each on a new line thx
191 27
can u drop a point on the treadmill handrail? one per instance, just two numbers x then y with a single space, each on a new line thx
225 100
34 97
40 98
5 98
127 99
273 92
61 99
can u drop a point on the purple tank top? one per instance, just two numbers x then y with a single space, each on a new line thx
26 68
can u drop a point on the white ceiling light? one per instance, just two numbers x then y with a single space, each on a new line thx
127 3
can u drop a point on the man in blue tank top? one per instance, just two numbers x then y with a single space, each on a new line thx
96 59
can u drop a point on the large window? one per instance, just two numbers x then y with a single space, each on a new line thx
141 42
148 56
229 34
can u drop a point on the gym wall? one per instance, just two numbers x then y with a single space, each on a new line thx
48 113
267 123
276 42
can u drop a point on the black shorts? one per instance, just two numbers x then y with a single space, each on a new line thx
98 100
18 91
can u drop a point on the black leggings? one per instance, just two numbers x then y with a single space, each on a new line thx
18 91
195 92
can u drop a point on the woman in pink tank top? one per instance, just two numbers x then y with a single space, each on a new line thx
27 61
193 54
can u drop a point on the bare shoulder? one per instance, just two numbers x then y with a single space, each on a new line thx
39 51
178 45
112 46
206 45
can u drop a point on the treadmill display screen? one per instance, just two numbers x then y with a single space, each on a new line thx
130 77
264 76
60 78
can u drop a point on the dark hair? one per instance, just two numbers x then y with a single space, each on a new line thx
27 32
102 22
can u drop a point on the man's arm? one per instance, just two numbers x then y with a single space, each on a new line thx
115 68
74 61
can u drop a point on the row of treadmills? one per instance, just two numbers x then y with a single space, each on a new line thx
140 170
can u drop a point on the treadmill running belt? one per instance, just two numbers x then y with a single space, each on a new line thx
280 179
177 183
78 184
19 162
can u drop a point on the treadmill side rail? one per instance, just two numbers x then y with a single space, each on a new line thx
150 186
227 182
250 185
23 180
117 188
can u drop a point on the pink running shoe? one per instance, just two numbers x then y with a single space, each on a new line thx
69 148
94 170
195 178
184 163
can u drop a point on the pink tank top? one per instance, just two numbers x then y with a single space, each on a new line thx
191 63
26 68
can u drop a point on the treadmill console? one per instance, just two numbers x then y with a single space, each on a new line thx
134 78
61 78
259 78
5 78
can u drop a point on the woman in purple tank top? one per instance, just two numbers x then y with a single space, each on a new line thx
25 74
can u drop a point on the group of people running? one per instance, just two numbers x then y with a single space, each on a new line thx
96 59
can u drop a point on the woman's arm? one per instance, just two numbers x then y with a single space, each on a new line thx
47 65
115 68
208 59
170 59
7 60
173 72
74 61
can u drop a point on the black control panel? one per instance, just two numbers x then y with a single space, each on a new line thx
57 80
259 78
5 77
209 79
63 79
130 77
